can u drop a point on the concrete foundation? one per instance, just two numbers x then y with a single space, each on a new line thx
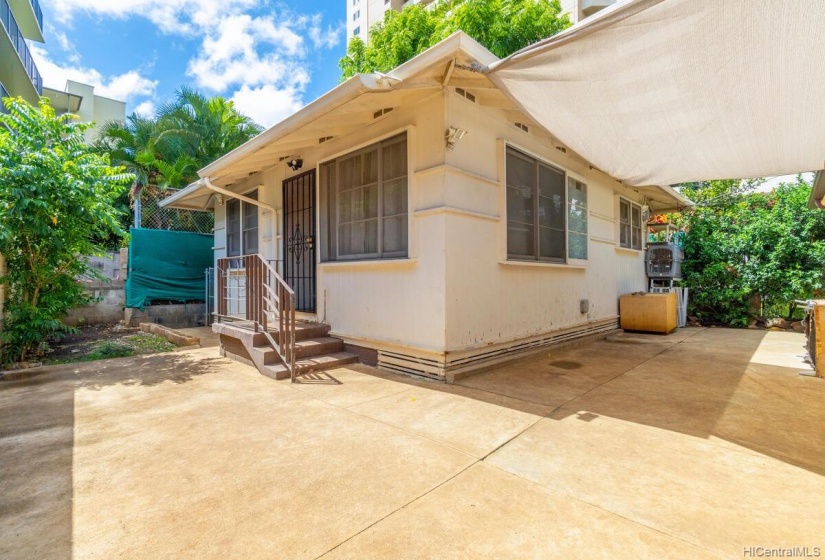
108 294
175 316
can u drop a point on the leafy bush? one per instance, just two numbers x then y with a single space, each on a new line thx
56 207
743 244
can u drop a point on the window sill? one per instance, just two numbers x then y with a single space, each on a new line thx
540 264
374 263
630 251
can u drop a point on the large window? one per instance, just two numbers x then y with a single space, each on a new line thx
630 225
364 203
241 226
546 211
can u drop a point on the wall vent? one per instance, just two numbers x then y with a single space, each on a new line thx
522 126
381 112
437 368
466 94
324 139
562 149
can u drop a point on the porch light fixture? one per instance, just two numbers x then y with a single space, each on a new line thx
453 135
295 164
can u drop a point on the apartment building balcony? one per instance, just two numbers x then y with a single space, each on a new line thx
18 72
29 17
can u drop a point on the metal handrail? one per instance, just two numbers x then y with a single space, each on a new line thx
265 292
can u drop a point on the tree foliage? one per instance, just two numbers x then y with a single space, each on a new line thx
56 200
502 26
742 244
166 151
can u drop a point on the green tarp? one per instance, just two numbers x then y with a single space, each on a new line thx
167 266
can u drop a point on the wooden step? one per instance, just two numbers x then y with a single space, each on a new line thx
318 346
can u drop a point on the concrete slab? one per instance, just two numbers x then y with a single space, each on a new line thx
463 423
693 445
486 513
222 463
209 339
708 454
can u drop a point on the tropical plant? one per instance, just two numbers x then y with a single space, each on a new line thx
56 202
167 150
744 246
503 26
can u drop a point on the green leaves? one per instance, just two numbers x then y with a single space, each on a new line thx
56 199
743 244
503 26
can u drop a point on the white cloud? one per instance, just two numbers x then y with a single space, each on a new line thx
268 104
251 52
256 60
123 87
171 16
325 38
147 109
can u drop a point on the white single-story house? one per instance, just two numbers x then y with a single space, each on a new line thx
423 220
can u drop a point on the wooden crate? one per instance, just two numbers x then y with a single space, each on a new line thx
655 313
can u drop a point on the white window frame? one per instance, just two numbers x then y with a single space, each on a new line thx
242 205
629 244
568 177
328 255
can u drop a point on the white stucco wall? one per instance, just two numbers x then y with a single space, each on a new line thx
398 304
457 291
492 300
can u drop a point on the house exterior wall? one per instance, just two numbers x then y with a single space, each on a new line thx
491 300
397 304
456 293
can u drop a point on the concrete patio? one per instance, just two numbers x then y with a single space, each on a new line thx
695 445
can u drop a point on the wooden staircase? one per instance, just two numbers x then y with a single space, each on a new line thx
315 350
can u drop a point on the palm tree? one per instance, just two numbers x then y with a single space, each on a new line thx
166 151
209 126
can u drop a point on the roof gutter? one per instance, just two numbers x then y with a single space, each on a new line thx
206 183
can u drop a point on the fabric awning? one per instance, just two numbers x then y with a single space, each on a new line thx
658 92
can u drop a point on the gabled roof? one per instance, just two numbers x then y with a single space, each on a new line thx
352 105
457 61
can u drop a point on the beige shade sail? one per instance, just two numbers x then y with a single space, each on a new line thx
657 92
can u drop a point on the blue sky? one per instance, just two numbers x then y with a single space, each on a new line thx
270 57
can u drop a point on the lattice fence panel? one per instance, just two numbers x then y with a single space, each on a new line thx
153 216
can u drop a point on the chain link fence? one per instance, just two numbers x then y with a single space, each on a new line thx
150 215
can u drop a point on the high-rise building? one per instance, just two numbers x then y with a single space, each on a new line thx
19 76
580 9
80 99
363 14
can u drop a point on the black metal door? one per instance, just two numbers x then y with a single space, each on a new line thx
299 239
